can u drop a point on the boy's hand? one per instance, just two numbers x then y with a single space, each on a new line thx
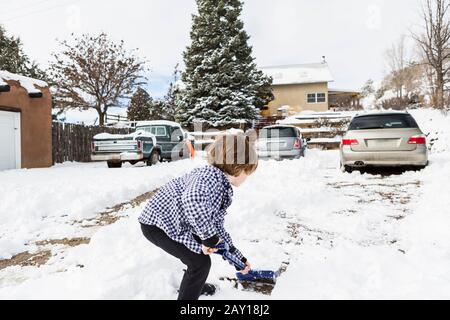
247 269
208 251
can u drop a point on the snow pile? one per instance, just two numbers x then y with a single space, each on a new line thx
56 197
436 126
308 117
28 83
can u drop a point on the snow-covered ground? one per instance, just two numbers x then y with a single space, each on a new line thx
341 235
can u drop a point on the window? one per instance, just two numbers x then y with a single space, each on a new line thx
159 131
277 132
317 98
389 121
311 98
321 98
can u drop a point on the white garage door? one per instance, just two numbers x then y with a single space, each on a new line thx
9 140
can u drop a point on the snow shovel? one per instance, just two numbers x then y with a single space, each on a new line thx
257 276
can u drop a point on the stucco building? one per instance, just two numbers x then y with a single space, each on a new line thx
302 87
25 122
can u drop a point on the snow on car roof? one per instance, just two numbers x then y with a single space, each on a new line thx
300 73
382 113
28 83
157 123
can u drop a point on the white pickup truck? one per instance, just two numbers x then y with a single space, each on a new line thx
152 142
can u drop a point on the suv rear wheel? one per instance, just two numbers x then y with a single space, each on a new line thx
347 169
154 158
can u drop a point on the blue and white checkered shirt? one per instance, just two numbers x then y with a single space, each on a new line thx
194 204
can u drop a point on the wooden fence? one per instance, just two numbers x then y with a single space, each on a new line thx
72 142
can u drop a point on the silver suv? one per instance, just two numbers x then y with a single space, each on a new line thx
383 139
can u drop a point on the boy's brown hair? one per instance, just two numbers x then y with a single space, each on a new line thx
233 154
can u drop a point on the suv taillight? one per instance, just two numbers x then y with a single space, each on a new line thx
297 144
139 145
349 142
417 140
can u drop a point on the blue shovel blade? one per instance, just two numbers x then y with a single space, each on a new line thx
258 276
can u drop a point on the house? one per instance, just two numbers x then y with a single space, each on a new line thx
25 122
302 87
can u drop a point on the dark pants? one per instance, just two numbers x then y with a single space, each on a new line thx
198 265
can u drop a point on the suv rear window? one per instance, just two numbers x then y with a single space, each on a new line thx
278 133
159 131
385 121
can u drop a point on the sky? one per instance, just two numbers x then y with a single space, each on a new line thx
352 34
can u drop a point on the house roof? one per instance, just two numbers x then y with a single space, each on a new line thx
299 73
28 83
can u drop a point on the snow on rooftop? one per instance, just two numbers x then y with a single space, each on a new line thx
299 74
344 90
28 83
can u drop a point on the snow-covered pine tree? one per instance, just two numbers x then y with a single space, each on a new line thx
139 106
13 59
222 82
172 97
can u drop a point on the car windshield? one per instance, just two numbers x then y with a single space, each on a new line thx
389 121
277 133
159 131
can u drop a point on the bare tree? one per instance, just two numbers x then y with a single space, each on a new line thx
396 58
435 43
94 73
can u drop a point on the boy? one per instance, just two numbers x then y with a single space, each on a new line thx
186 217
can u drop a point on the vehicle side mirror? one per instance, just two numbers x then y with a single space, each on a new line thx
180 138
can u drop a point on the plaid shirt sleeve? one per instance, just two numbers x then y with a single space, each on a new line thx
198 208
225 236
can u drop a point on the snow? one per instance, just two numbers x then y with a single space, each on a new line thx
284 108
65 193
208 137
309 117
157 123
134 135
214 133
28 83
355 236
326 140
317 130
88 117
299 74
